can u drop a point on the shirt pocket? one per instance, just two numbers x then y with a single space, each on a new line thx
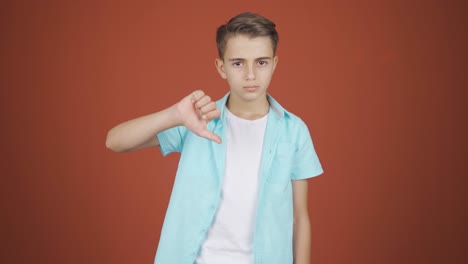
282 164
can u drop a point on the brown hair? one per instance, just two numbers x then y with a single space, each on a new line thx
252 25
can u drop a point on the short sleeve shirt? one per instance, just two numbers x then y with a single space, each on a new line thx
288 154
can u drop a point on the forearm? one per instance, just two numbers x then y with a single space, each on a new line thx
141 132
301 240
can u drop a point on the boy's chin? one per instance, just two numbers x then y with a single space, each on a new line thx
246 95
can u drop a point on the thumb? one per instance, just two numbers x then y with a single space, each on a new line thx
210 135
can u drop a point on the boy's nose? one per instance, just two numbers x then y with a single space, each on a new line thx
250 73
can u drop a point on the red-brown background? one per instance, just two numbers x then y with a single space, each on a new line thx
380 84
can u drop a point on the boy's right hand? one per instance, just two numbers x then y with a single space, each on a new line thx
195 111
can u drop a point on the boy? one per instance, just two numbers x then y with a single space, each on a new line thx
240 194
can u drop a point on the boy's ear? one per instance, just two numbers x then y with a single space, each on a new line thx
220 67
275 62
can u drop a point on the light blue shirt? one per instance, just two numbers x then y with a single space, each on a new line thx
288 154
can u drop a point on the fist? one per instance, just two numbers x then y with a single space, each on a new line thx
195 111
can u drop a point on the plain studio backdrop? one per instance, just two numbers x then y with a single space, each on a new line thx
381 85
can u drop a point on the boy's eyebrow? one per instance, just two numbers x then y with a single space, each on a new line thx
264 58
241 59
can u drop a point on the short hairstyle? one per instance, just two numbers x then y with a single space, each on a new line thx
252 25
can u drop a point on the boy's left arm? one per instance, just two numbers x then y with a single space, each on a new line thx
301 232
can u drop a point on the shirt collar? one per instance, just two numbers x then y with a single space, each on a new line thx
274 105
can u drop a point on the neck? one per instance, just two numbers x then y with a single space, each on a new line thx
249 110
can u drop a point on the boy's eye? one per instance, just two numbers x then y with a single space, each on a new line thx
262 63
237 63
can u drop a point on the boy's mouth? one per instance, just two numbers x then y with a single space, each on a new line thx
251 88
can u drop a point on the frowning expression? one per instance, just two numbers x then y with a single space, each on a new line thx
248 66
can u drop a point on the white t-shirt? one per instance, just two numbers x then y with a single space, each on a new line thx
229 240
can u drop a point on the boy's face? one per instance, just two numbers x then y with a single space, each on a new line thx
248 66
